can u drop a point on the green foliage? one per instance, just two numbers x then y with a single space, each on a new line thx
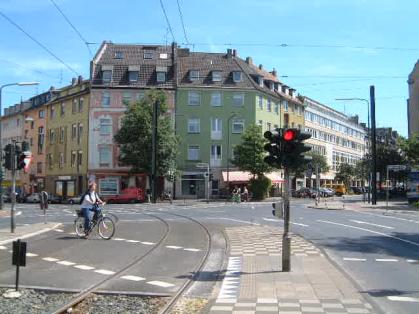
249 154
259 187
417 204
318 161
362 169
410 148
345 173
134 137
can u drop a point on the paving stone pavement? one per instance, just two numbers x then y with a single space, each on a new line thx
254 282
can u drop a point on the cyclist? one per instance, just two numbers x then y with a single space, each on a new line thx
89 204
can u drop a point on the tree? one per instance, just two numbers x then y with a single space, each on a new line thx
134 137
362 169
345 173
249 154
410 148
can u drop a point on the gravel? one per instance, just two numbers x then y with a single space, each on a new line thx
32 301
189 306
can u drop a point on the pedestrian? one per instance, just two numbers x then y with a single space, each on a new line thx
236 195
245 194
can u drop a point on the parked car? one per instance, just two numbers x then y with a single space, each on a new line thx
74 199
128 195
33 198
357 190
54 199
6 198
325 192
306 192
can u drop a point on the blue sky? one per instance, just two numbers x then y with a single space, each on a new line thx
322 73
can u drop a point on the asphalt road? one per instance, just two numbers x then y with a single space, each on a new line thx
378 250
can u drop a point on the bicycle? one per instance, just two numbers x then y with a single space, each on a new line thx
105 225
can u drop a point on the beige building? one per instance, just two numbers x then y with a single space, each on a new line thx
413 101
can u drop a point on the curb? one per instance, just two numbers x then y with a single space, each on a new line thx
28 235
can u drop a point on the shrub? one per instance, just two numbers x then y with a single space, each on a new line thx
259 187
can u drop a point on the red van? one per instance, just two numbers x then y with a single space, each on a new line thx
128 195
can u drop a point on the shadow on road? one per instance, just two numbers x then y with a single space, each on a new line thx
379 293
219 275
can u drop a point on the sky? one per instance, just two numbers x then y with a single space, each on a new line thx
333 49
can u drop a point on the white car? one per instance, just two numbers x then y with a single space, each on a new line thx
33 198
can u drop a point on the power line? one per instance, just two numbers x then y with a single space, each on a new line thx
28 68
183 24
38 43
167 20
74 28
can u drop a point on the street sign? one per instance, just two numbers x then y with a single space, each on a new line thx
19 253
397 167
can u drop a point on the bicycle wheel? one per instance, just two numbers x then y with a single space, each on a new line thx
106 228
79 227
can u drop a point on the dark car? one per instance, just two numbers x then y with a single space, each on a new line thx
305 192
54 199
356 190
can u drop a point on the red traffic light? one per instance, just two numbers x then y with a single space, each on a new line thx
289 135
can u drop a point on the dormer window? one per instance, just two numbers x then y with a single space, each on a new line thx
271 86
133 73
107 73
194 75
260 81
119 55
148 55
216 76
237 76
161 74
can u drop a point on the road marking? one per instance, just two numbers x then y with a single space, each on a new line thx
192 250
31 254
148 243
298 224
160 283
133 278
18 213
236 220
50 259
66 263
386 260
173 247
59 230
3 247
119 239
368 223
384 216
271 219
133 241
412 261
376 232
354 259
104 272
84 267
402 299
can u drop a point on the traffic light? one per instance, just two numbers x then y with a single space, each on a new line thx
24 157
274 148
8 157
294 148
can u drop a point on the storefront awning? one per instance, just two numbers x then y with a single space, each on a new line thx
244 176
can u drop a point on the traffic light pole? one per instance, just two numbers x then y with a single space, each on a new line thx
12 209
154 153
286 239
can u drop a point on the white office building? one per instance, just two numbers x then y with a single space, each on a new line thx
340 138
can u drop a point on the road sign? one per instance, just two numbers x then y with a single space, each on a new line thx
397 167
202 165
19 253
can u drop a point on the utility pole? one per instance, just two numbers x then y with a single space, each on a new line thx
154 152
12 209
373 146
286 239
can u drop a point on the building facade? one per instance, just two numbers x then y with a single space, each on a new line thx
413 101
335 136
66 140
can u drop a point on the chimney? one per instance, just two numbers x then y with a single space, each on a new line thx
291 92
260 67
79 79
73 81
229 53
235 53
274 72
52 88
249 60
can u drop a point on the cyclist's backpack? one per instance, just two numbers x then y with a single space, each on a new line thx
83 196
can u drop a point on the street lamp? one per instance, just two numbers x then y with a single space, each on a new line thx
1 145
368 132
228 149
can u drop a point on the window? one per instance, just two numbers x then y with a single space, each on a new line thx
62 109
216 76
17 122
148 55
62 135
276 105
74 106
285 105
161 77
126 98
79 158
119 55
215 99
269 106
52 112
238 126
194 125
105 126
268 126
106 76
50 160
39 167
51 136
300 111
140 96
133 76
237 76
193 75
81 103
61 160
73 131
216 152
238 99
193 152
26 134
106 99
104 156
163 56
41 114
260 101
40 139
109 186
260 81
216 125
194 98
80 134
73 158
31 142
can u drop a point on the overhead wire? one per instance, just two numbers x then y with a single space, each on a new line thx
29 69
183 24
167 20
38 43
73 27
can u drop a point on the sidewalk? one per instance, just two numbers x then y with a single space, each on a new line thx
254 282
24 232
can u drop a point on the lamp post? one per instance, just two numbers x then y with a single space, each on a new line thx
1 144
368 134
228 149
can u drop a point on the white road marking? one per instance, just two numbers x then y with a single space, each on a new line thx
133 241
368 223
173 247
133 278
104 272
148 243
271 219
72 233
18 213
236 220
28 254
298 224
192 250
160 283
354 259
84 267
412 261
402 299
3 247
118 239
386 260
66 263
376 232
386 216
50 259
59 230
